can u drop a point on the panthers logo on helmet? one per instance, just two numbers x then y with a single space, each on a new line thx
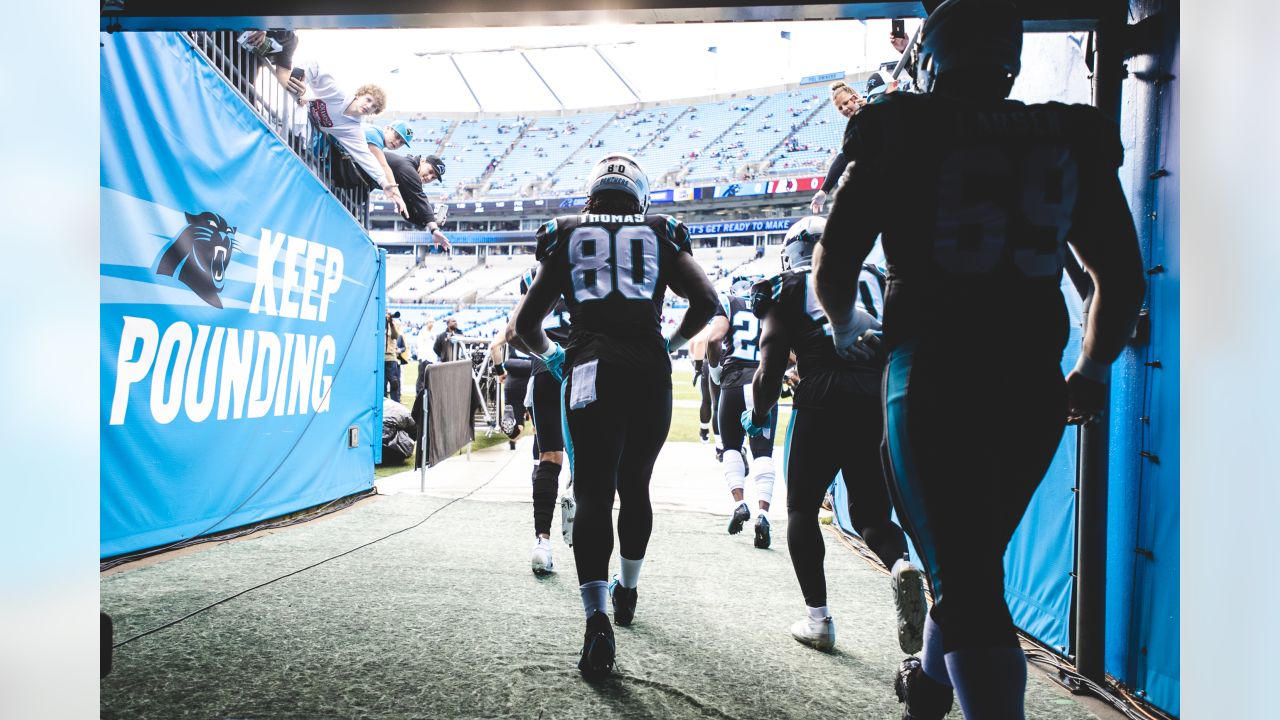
619 171
198 256
802 237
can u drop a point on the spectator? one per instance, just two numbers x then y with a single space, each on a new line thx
424 346
848 102
339 115
274 46
391 360
442 346
411 173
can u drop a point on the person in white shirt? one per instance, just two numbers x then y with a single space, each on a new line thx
426 340
339 114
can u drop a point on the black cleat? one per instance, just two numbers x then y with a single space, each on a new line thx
597 648
762 532
624 602
925 698
741 515
704 435
719 454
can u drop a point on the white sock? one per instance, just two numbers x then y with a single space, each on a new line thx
818 613
629 576
595 596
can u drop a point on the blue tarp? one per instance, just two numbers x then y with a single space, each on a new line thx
240 311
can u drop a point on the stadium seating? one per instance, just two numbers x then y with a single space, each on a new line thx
796 131
546 143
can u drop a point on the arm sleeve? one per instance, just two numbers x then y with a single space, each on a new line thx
834 172
547 240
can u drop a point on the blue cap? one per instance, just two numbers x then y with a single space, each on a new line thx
404 131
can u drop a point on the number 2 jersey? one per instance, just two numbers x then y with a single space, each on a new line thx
826 379
555 324
976 201
741 344
611 271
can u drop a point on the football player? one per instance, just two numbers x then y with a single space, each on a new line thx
975 323
733 354
836 426
612 265
548 443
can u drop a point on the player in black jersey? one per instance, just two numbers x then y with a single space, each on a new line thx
612 265
548 444
733 354
836 427
976 198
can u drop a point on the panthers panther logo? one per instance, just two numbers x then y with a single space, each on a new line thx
198 256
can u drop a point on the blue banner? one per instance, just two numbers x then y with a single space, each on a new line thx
743 189
241 321
742 227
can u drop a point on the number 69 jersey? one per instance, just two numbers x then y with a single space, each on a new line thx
983 203
611 270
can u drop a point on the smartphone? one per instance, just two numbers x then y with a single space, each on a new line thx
899 28
298 73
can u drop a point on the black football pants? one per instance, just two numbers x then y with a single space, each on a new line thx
613 444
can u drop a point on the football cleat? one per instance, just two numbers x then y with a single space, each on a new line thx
568 511
924 697
704 435
598 648
908 600
762 532
817 634
741 515
541 559
719 454
624 602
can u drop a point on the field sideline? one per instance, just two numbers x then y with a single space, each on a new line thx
684 413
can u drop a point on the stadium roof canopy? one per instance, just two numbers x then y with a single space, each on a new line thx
464 57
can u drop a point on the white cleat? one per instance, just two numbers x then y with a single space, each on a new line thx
908 599
541 560
818 634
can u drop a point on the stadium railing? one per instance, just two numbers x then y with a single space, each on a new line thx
250 78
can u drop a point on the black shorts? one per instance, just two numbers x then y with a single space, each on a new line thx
513 391
547 416
288 43
733 401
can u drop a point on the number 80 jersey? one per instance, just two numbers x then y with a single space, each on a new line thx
611 271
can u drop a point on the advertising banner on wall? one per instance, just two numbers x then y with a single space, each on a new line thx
241 320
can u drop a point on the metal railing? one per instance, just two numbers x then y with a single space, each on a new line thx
251 78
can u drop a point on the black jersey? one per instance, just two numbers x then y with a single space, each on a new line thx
742 344
825 377
611 271
976 234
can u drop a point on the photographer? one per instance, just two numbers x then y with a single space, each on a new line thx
391 386
444 346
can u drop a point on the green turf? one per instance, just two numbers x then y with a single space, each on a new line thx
684 420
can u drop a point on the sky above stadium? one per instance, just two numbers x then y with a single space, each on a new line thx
423 70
